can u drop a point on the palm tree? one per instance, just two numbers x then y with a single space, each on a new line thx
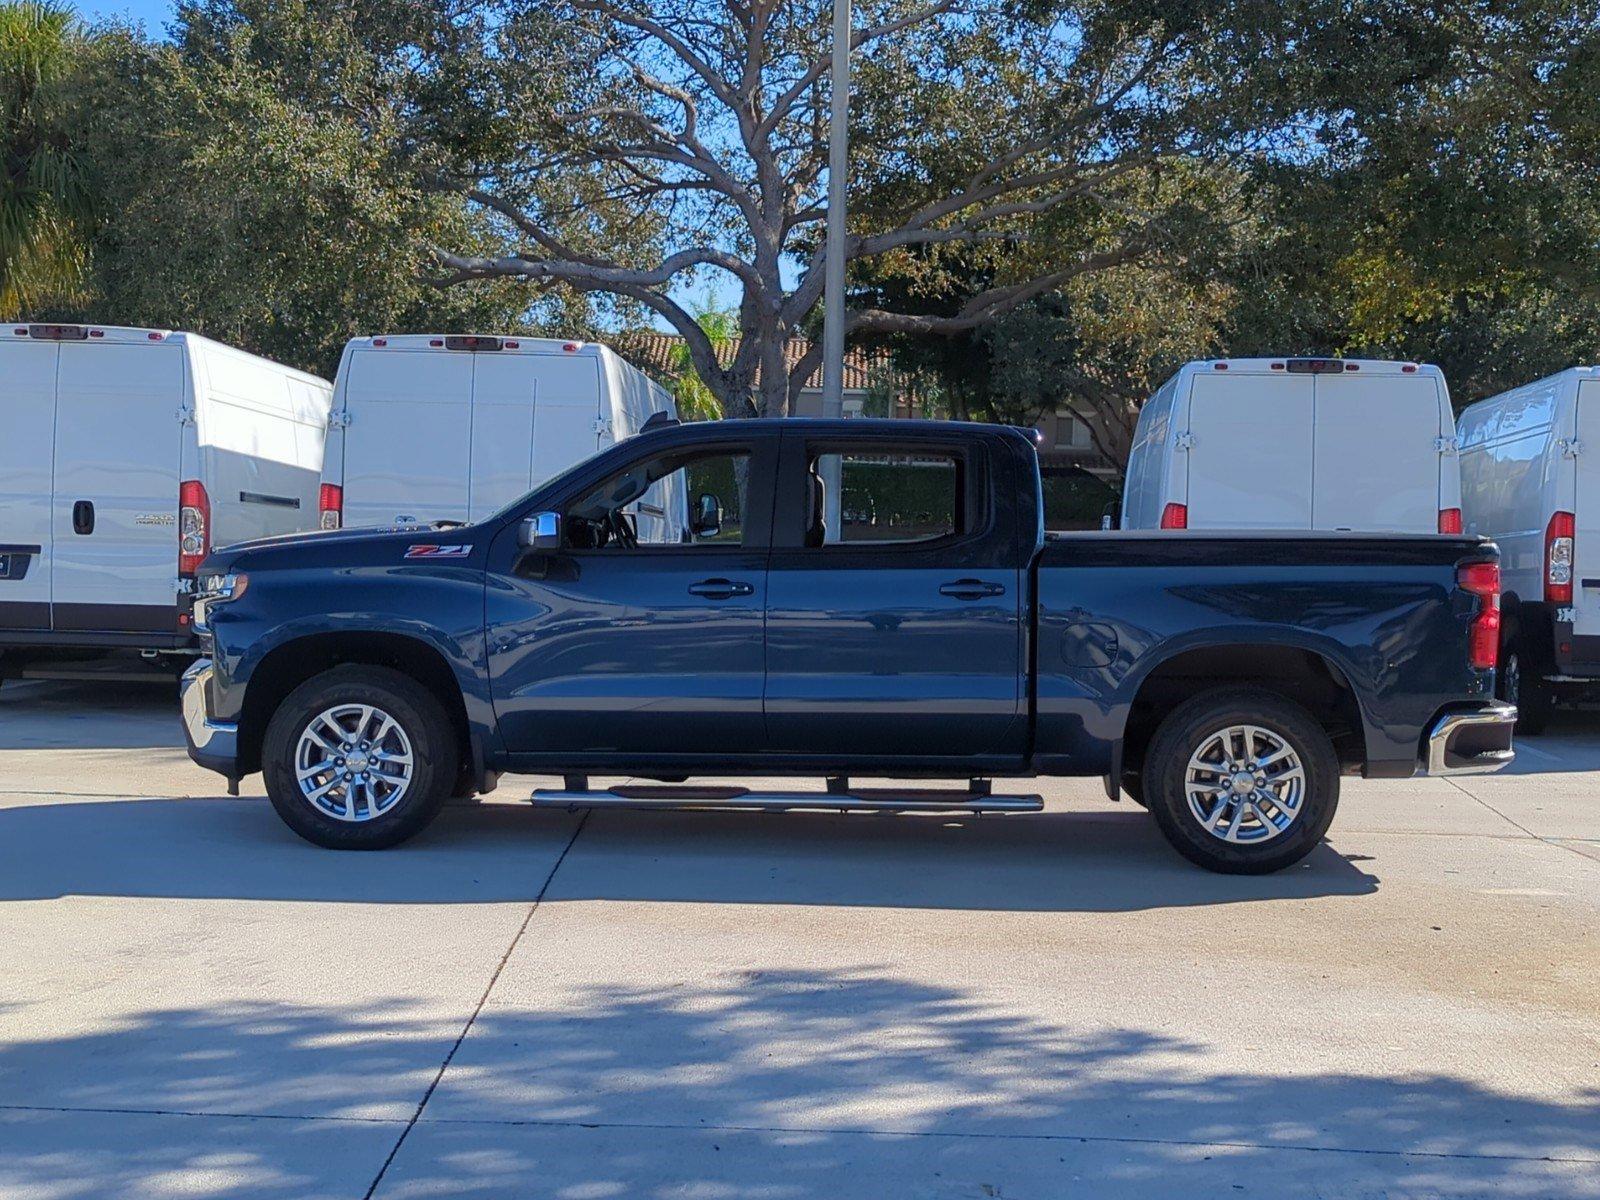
44 195
695 400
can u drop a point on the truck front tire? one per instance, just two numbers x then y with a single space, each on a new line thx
359 758
1241 781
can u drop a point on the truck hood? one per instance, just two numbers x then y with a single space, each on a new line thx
323 546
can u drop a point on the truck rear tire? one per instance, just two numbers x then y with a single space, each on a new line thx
1518 683
1241 781
359 758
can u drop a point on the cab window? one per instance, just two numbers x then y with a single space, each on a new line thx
883 497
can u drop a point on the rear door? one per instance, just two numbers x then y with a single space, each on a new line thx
1250 457
407 449
1377 463
896 629
1586 551
504 393
114 520
28 416
568 417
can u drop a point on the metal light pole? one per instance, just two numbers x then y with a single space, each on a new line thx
833 265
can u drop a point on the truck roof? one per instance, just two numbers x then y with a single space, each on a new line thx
911 427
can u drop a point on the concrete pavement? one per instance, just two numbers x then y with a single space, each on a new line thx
524 1003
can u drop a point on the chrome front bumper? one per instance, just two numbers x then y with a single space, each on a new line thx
1472 741
212 744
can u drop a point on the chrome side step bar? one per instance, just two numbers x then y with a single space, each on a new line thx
736 799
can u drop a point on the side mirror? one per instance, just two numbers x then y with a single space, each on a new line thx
540 532
708 516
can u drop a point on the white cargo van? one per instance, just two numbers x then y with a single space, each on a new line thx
125 454
436 427
1530 479
1296 443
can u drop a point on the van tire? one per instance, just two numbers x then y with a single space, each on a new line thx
1517 683
1188 729
418 718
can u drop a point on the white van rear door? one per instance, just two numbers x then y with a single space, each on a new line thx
568 417
118 446
1377 459
1586 548
28 417
504 391
1250 451
407 447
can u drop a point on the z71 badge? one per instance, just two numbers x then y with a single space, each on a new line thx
438 551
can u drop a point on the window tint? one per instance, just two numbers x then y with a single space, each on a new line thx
682 499
883 498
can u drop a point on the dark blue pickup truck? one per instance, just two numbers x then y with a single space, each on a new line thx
686 604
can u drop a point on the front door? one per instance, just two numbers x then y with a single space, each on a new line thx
642 635
894 618
28 418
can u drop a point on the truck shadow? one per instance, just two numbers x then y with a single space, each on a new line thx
238 849
805 1084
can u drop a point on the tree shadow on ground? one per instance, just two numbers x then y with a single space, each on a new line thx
238 849
778 1085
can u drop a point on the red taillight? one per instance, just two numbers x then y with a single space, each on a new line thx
1482 580
330 506
194 526
1558 537
1175 516
1449 520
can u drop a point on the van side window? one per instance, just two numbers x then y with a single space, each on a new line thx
883 497
687 498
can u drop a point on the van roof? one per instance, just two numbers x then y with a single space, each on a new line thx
1280 364
132 335
513 342
61 331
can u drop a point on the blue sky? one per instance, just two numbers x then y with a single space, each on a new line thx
153 13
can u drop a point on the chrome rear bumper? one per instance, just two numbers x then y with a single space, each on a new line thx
1472 741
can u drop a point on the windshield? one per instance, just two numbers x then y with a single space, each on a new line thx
554 481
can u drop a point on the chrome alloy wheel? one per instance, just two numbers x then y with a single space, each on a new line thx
353 762
1245 784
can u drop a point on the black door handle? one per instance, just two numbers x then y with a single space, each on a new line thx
971 589
720 589
83 517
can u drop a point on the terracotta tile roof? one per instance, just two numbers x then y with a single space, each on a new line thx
657 353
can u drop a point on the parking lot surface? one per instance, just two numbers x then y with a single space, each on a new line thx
531 1003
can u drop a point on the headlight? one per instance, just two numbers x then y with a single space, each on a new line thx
216 589
220 588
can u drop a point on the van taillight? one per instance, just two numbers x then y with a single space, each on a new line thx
194 526
1558 537
1449 520
470 342
1175 516
330 504
1482 579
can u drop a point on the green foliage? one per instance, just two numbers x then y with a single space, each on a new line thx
694 398
45 204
